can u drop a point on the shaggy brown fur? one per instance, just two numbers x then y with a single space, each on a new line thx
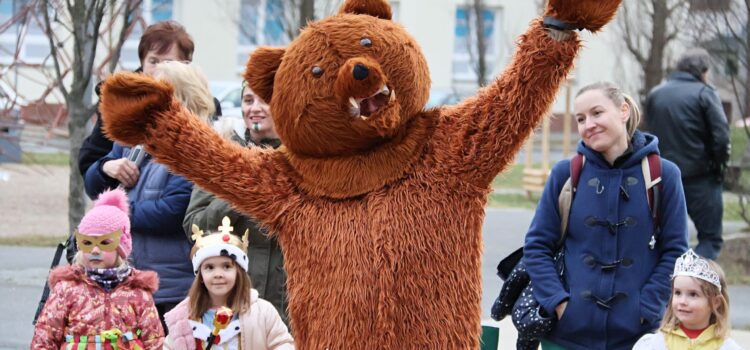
381 234
591 15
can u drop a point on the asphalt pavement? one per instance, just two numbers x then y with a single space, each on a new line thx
23 271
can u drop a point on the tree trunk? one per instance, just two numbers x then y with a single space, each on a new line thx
745 68
653 70
306 13
77 117
481 43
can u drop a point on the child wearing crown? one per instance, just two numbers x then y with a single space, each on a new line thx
101 302
697 315
221 282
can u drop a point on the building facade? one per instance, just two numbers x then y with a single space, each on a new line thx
226 31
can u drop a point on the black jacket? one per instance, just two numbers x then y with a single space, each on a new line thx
97 145
687 117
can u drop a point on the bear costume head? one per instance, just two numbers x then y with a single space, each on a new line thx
348 88
345 85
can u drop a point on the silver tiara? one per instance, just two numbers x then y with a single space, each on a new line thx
691 264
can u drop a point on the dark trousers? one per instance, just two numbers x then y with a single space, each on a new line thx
162 309
705 207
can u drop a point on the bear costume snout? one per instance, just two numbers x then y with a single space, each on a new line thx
361 87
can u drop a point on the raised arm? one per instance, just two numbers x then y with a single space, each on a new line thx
483 133
137 109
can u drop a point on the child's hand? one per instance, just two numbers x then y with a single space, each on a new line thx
560 309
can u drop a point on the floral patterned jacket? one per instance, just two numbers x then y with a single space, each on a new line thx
77 306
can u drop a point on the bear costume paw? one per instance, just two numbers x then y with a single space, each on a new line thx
583 14
129 104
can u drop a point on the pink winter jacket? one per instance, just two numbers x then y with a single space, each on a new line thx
79 306
260 327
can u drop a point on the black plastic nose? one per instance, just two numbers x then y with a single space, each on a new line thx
360 72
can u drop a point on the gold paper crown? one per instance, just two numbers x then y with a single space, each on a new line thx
222 236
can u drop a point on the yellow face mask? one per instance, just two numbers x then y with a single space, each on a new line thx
106 243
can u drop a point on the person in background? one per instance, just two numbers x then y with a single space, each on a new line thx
206 210
158 198
162 41
686 114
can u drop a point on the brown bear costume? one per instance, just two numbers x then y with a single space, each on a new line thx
377 203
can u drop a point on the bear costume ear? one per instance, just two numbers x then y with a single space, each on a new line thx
261 70
375 8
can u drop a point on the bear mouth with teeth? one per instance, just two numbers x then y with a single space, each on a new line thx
363 108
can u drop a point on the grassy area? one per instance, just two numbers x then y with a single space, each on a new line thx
45 158
32 240
518 200
739 142
510 178
732 207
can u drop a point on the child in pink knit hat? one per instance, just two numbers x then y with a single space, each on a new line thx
101 299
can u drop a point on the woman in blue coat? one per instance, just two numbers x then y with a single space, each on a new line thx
616 282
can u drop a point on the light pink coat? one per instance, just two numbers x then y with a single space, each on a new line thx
260 327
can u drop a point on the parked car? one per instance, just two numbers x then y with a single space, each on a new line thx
446 97
229 95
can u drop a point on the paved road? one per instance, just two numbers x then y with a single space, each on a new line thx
24 269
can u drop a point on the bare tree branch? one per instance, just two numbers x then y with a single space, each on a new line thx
645 28
53 48
128 19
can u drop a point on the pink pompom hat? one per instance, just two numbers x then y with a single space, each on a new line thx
110 213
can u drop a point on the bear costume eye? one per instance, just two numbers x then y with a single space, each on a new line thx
317 71
366 42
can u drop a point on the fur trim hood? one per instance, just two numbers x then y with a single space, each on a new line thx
146 280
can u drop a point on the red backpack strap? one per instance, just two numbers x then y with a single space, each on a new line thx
565 198
651 167
576 165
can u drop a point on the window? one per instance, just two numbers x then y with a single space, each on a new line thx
152 11
161 10
262 22
465 45
35 46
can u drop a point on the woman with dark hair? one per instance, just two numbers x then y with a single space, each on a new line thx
162 41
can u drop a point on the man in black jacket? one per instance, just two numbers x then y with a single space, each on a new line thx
686 114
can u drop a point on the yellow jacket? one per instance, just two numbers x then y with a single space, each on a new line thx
676 339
